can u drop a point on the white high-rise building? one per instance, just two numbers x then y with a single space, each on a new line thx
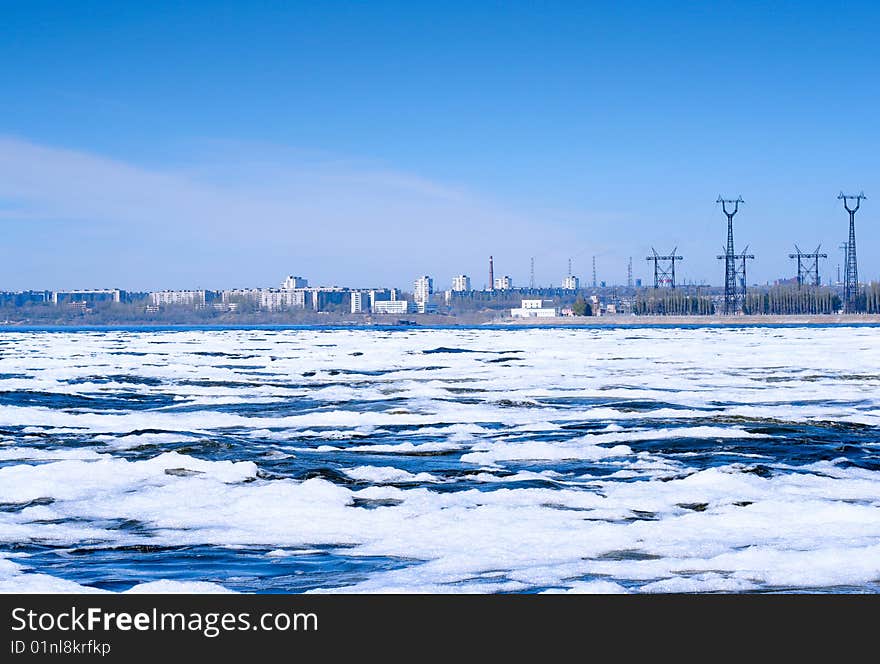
357 302
503 283
240 295
274 299
422 288
173 297
291 283
461 283
571 282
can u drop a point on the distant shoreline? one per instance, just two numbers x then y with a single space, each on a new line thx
471 322
713 320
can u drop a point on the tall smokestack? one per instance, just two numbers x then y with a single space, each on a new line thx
491 275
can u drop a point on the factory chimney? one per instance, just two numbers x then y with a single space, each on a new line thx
491 275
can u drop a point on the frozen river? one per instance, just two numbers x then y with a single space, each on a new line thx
441 460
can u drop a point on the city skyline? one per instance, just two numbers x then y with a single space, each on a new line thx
156 147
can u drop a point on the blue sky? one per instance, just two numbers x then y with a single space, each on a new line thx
162 145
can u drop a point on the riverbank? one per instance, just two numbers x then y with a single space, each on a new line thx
623 320
208 318
482 320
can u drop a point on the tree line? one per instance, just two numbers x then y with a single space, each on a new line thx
870 298
669 302
783 300
776 300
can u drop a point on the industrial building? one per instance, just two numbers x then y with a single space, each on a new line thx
390 307
534 309
387 301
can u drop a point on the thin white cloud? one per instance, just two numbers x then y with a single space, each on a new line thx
246 220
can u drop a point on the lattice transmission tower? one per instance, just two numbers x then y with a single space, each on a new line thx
808 266
851 302
741 273
664 268
731 292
